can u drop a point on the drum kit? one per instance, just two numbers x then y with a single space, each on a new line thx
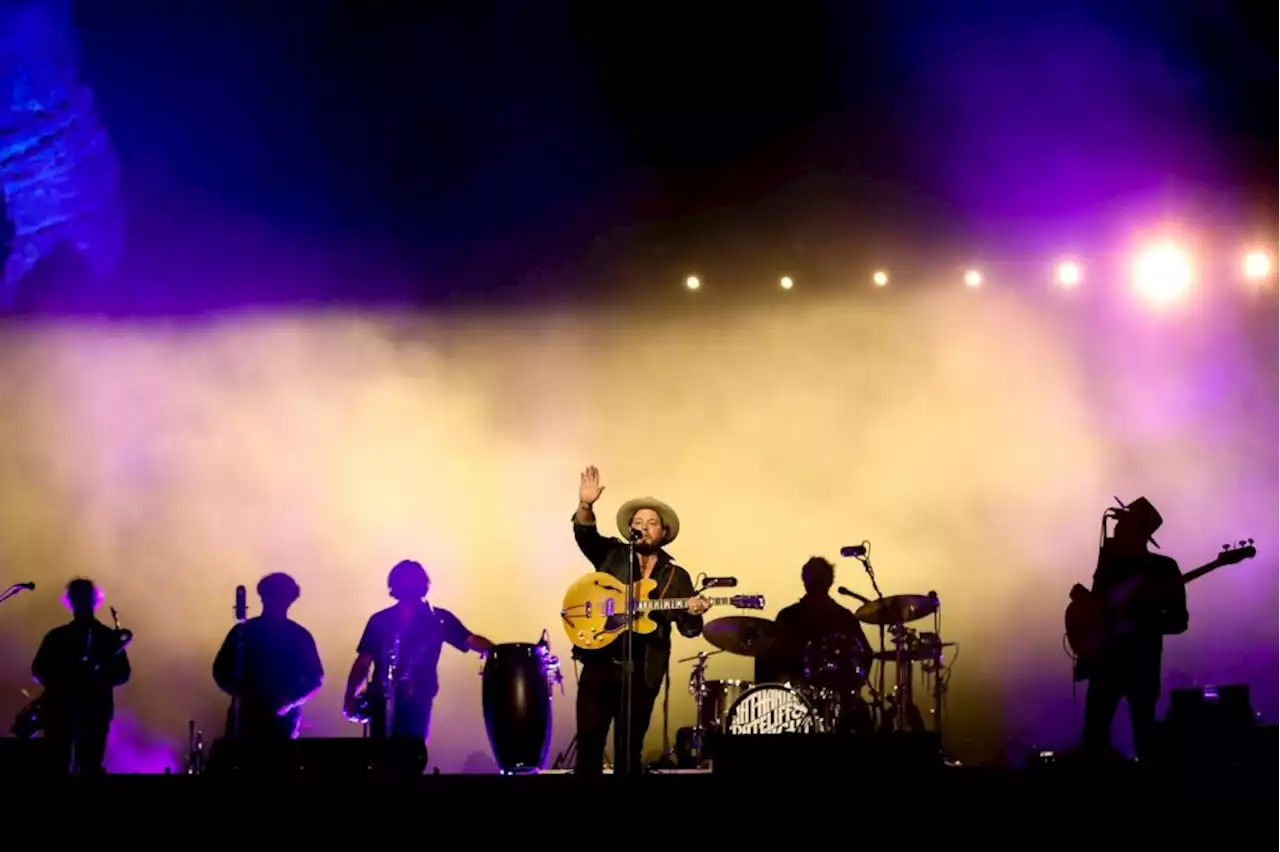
842 690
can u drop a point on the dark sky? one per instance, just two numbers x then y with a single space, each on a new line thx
497 141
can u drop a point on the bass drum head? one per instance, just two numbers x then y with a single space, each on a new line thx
772 708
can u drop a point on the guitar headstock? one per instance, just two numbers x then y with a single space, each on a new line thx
1242 551
747 601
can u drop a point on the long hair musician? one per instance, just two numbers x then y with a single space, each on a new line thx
80 664
402 645
271 664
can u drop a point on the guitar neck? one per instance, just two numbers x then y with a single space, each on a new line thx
676 603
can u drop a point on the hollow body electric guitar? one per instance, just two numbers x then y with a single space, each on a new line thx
594 613
1093 619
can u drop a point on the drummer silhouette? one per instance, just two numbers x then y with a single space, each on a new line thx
813 618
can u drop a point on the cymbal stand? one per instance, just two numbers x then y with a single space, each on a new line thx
865 559
903 639
935 666
697 685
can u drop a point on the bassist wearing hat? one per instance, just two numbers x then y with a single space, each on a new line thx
1128 665
651 524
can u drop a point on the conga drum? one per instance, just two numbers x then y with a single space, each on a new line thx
517 706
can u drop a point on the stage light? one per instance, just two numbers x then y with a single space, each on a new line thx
1257 265
1069 274
880 279
1163 273
973 278
787 283
692 282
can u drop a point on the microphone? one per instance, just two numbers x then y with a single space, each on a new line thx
851 594
719 582
30 587
635 534
855 551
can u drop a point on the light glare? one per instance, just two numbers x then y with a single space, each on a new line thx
787 283
973 278
1257 264
1068 274
692 282
1163 273
880 279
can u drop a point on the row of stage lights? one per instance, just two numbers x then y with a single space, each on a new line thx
1163 273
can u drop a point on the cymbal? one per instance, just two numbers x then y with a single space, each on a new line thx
741 634
897 609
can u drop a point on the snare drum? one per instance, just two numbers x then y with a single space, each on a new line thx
717 697
772 708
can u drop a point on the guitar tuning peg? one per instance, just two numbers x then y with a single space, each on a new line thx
1242 542
1251 542
1226 547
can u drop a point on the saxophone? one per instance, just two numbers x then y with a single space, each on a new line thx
366 704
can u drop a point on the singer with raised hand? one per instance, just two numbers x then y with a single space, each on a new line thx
649 525
280 669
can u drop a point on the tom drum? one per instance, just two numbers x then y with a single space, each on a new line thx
717 697
772 708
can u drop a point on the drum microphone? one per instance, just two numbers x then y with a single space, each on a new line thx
854 551
719 582
850 594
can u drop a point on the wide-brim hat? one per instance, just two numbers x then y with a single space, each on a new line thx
670 519
1143 515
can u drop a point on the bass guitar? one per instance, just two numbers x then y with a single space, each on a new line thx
1093 619
594 612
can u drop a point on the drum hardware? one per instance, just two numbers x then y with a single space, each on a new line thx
892 614
697 687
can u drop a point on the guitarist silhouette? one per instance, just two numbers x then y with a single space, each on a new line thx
1146 600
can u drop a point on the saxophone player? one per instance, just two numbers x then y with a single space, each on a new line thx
80 664
402 645
272 665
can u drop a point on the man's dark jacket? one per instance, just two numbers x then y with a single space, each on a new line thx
652 652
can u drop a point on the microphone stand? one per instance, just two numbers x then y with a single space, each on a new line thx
628 662
865 559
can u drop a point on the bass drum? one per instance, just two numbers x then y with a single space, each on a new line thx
517 706
717 697
772 708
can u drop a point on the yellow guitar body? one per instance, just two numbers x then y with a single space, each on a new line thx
594 610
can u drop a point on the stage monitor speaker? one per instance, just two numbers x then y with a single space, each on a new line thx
753 755
1208 728
320 758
